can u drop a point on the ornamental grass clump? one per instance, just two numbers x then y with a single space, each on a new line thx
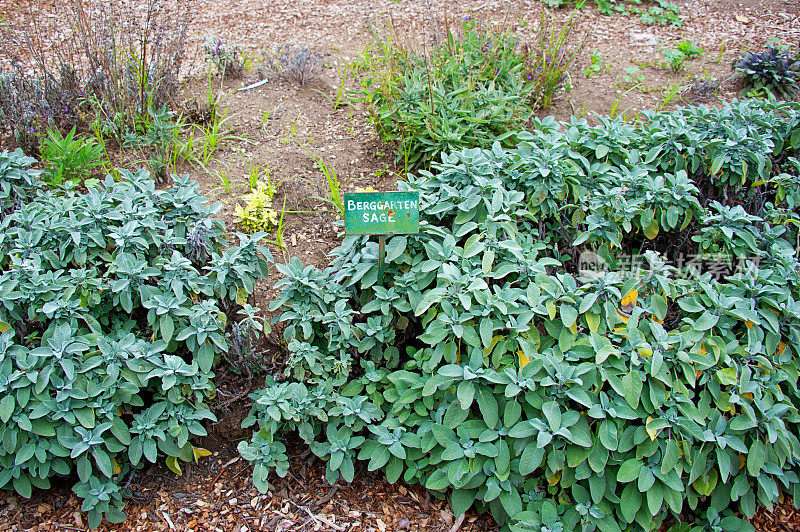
548 59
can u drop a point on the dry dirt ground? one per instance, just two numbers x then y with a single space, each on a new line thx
280 125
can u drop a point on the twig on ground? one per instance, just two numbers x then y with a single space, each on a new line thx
168 520
253 86
326 498
130 478
233 398
272 522
319 519
228 463
457 525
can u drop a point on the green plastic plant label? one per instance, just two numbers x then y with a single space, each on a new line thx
381 213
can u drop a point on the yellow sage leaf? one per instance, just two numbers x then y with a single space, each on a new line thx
651 231
522 359
199 452
593 321
553 480
630 298
650 432
174 465
551 309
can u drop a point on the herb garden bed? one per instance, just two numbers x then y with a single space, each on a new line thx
499 365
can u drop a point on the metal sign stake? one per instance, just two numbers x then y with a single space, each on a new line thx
381 255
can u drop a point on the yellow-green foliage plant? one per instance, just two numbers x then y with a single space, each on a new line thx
257 214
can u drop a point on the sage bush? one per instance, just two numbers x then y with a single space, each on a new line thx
494 369
115 305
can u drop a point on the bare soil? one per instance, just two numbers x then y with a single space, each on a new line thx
280 125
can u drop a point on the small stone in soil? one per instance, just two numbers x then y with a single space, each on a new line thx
644 39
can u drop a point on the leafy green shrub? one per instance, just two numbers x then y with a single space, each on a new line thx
660 12
595 65
489 369
158 135
690 49
474 89
663 13
115 306
675 59
772 70
787 186
19 182
68 158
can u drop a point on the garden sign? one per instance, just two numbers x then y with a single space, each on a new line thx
381 213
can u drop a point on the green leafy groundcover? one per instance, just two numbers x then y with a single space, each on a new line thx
470 92
491 370
115 305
